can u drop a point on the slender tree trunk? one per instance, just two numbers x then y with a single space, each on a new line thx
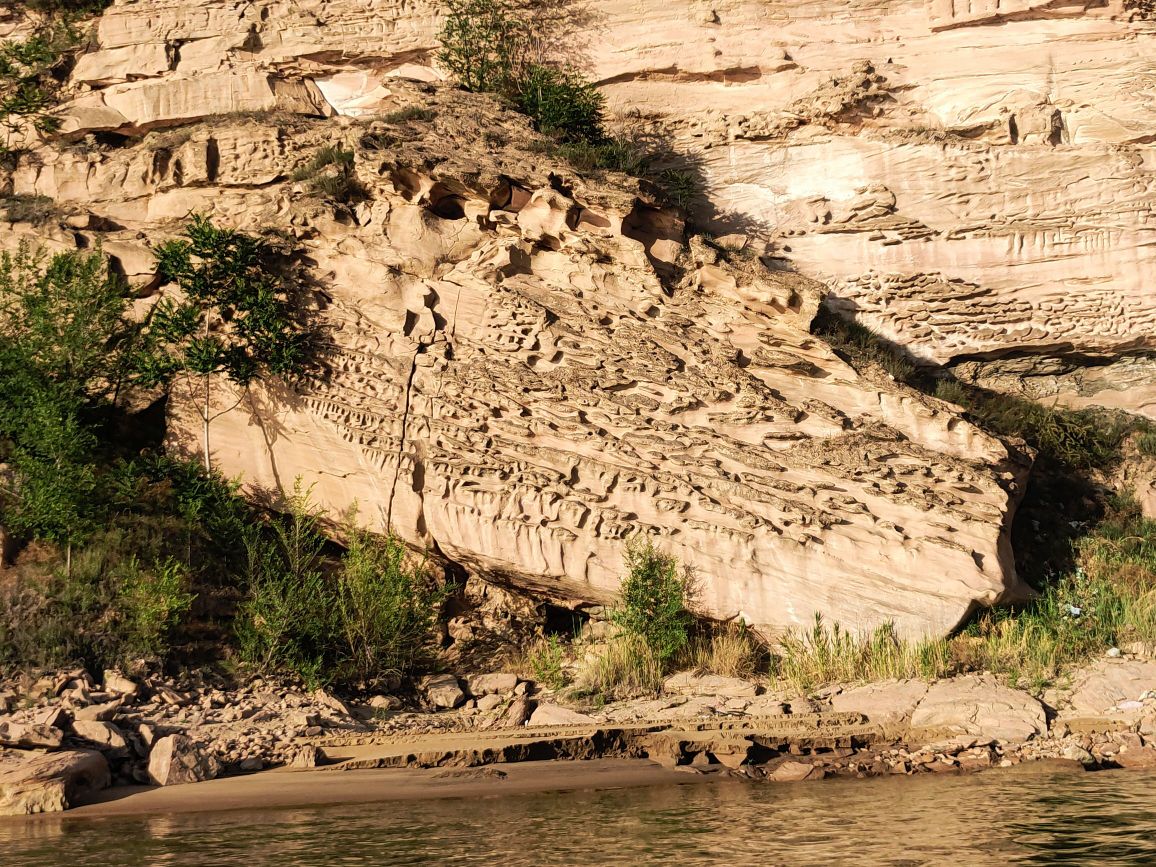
205 433
208 408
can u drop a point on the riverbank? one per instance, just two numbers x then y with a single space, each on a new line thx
146 744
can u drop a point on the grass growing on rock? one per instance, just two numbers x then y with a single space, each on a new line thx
1107 600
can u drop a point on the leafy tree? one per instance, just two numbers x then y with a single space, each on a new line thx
653 600
61 330
233 319
485 44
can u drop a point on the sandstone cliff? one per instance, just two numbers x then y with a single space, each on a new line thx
968 179
530 365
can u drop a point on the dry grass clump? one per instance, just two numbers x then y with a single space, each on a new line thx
823 655
627 666
730 651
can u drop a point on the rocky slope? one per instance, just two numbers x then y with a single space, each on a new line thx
70 738
529 366
968 179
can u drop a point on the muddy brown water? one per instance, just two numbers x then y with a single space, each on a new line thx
1021 816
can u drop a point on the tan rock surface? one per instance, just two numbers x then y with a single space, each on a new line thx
979 705
1108 683
517 383
888 703
48 783
521 379
966 178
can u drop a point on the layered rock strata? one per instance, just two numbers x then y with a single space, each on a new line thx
528 367
967 179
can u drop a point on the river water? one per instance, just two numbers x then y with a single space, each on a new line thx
1021 816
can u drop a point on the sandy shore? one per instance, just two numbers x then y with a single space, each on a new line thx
316 787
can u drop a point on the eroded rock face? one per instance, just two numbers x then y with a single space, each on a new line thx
966 178
529 367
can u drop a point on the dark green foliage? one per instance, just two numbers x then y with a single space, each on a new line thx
1074 440
68 7
330 173
386 611
27 209
488 46
863 346
61 326
236 319
109 611
355 622
609 154
653 600
485 44
562 103
1079 439
288 620
412 112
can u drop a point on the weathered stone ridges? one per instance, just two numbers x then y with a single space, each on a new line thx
989 164
560 400
513 384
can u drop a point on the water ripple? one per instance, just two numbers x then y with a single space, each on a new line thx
1030 816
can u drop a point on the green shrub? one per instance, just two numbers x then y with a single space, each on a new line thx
288 621
236 318
330 173
653 600
1079 439
370 620
1108 599
30 80
562 103
679 187
410 112
485 43
544 661
862 346
386 611
150 603
608 154
108 612
1146 442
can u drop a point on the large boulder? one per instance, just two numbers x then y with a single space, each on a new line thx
497 683
443 691
176 760
104 735
978 705
49 783
547 714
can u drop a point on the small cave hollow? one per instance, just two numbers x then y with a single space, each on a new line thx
561 621
446 203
